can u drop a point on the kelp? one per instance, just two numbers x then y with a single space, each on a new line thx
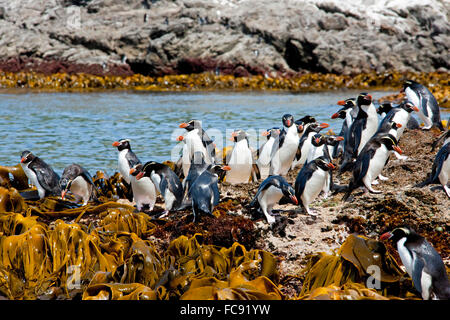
356 260
19 179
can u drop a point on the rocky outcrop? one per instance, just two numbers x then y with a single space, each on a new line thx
239 37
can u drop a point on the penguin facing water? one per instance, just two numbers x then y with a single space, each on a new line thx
269 193
311 180
371 161
240 160
421 96
422 262
78 181
40 174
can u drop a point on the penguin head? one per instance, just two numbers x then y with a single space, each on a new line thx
347 105
317 140
289 192
288 120
238 135
191 125
332 140
273 132
394 125
324 164
398 233
136 171
317 126
391 143
122 144
27 157
409 84
65 184
385 107
364 99
408 106
219 170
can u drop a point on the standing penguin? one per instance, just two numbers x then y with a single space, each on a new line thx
371 161
144 191
348 112
422 262
196 140
269 193
240 160
386 107
166 182
127 158
420 96
305 143
362 129
440 171
40 174
78 181
284 148
204 192
311 180
400 115
264 152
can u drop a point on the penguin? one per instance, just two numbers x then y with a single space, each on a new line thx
196 139
348 112
78 181
321 145
422 262
195 170
440 171
204 192
384 109
371 161
166 182
263 160
269 193
421 96
240 160
144 191
361 130
311 180
127 158
284 148
40 174
400 115
305 143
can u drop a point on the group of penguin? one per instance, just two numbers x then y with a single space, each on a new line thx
363 144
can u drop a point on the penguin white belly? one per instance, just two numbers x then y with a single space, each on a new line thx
267 199
401 117
144 192
376 165
240 163
81 188
156 179
124 167
313 186
264 158
306 147
444 176
371 128
426 282
33 179
283 158
414 98
169 199
405 256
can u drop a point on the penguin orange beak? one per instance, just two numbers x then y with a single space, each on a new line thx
335 115
317 140
22 160
299 128
294 199
116 144
139 175
233 135
385 236
132 170
183 125
180 138
265 133
331 166
324 125
415 109
63 194
368 97
399 125
289 123
396 148
226 168
339 138
341 102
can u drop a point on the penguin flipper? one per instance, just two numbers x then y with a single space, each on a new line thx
416 276
49 182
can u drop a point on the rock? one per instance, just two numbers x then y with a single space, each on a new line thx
238 37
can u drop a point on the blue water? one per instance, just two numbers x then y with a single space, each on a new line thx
65 128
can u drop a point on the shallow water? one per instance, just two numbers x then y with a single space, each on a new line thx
63 128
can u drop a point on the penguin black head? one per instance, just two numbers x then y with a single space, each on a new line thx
288 120
316 126
391 143
289 192
324 164
273 132
191 125
137 171
364 99
408 106
219 170
238 135
326 139
122 144
399 233
27 157
385 107
409 84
